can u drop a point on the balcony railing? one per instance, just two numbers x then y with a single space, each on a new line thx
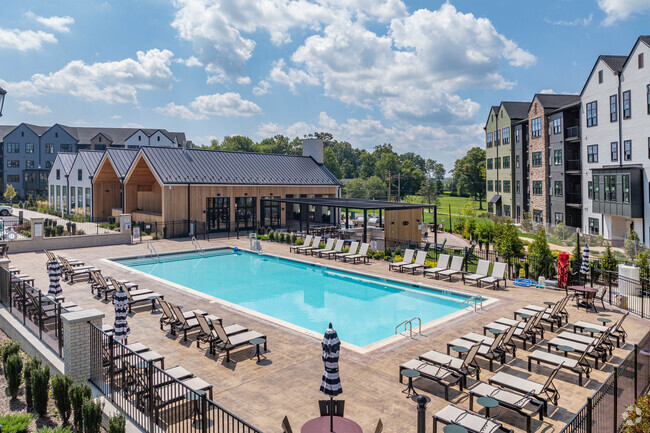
572 165
573 132
573 197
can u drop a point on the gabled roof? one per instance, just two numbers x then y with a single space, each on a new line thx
67 160
38 130
6 129
516 110
173 165
553 101
122 160
645 40
493 109
72 132
91 159
615 63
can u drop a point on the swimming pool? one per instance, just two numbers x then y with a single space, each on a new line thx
363 309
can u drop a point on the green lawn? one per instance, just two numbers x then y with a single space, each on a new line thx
446 200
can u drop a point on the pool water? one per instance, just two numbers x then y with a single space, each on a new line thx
362 309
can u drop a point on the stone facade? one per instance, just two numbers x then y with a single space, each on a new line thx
538 173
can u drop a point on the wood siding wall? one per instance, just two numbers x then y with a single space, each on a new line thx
395 228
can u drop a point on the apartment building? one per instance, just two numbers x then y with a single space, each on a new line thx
615 136
70 181
521 179
29 151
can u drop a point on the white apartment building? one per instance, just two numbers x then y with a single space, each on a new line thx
615 132
70 181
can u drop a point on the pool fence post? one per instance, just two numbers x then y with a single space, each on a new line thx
422 413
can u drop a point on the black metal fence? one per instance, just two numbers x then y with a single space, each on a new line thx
156 399
624 292
40 313
604 409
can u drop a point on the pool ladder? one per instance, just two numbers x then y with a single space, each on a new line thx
477 300
409 323
152 251
197 247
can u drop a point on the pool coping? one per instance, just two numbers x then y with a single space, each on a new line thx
381 344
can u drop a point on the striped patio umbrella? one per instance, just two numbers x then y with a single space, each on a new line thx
54 272
331 382
584 269
121 328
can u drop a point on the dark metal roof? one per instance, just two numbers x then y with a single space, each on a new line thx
516 110
645 39
614 62
67 160
91 158
6 129
176 165
122 159
38 130
495 198
553 101
353 203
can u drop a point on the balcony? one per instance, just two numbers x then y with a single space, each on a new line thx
572 133
573 198
572 165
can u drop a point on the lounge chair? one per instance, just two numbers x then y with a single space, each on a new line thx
70 272
617 331
100 284
420 258
362 255
186 324
585 339
482 271
169 318
227 343
73 262
338 247
507 345
305 244
148 297
596 349
489 351
465 367
579 365
437 373
328 246
443 264
406 260
314 246
553 315
520 403
472 422
543 392
354 246
456 267
207 332
498 272
526 331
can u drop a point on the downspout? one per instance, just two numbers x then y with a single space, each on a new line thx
67 182
92 196
188 208
620 123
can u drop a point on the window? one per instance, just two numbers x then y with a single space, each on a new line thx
80 199
596 187
517 130
648 147
102 147
43 175
537 159
49 148
518 187
29 147
640 60
497 163
56 134
505 132
87 200
558 188
497 137
13 163
100 139
590 190
490 207
506 162
593 226
592 153
592 113
506 186
557 126
627 150
498 186
22 133
613 110
557 157
627 108
626 187
489 163
489 139
13 147
614 150
518 162
139 137
610 187
536 127
506 210
648 99
559 217
158 138
51 197
490 185
600 77
58 174
30 177
29 163
73 193
537 187
48 164
80 174
66 148
13 178
538 217
135 146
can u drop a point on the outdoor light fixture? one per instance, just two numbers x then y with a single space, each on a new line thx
3 92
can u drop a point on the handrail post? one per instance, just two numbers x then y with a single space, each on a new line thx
40 315
204 412
111 366
589 414
609 285
610 292
636 370
422 413
616 397
151 396
24 300
59 329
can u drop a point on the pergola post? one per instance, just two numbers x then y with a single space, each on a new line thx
380 223
365 226
347 218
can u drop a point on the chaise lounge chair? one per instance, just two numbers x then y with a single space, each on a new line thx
489 351
482 271
498 272
465 367
328 247
526 331
617 331
436 373
209 335
443 264
305 244
420 258
338 248
407 260
354 246
187 324
520 403
455 268
314 246
363 255
596 349
227 343
543 392
471 421
169 318
579 365
70 272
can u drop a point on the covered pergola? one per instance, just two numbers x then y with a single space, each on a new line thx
352 203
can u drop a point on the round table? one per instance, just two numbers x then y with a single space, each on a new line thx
525 316
322 425
487 403
604 320
566 349
592 331
454 428
496 331
195 397
583 289
153 299
549 303
460 350
257 342
411 374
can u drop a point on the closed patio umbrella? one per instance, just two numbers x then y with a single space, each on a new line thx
331 382
584 269
54 272
121 327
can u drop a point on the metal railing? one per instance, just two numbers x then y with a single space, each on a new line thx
197 247
409 323
477 300
623 292
152 250
572 132
154 399
572 165
573 197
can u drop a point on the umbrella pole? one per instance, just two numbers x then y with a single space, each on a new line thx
331 414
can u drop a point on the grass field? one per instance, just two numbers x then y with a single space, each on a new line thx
446 200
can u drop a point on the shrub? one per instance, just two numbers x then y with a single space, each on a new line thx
78 393
57 429
608 262
540 255
14 373
92 416
642 263
8 350
293 238
31 365
633 245
117 424
111 219
458 225
16 423
59 230
271 235
636 418
506 240
61 393
300 241
280 237
41 388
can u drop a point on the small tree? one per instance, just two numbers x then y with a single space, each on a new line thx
10 193
6 351
527 222
31 365
41 389
92 416
78 393
117 424
608 262
540 255
642 263
633 245
14 370
506 240
61 393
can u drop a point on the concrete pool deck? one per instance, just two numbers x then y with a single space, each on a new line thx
263 394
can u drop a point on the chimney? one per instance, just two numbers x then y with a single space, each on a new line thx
313 147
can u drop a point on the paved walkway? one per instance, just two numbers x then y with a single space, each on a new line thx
264 394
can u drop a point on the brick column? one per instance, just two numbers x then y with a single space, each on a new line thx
76 341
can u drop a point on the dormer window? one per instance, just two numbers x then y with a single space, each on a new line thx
139 137
100 138
158 138
22 133
56 134
600 77
640 60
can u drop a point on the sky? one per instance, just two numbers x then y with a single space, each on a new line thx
418 74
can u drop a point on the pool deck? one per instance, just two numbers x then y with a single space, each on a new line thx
263 394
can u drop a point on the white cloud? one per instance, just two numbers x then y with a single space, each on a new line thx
262 88
225 104
116 116
24 40
244 80
572 23
109 82
620 10
31 108
132 125
547 92
58 24
291 77
190 62
173 110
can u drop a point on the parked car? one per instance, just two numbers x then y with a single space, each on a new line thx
6 210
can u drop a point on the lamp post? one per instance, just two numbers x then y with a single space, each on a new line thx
3 92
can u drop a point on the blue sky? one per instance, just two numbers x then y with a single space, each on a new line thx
418 74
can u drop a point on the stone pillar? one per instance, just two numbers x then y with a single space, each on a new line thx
76 341
38 233
125 223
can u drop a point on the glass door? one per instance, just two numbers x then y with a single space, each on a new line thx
218 214
270 213
245 213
